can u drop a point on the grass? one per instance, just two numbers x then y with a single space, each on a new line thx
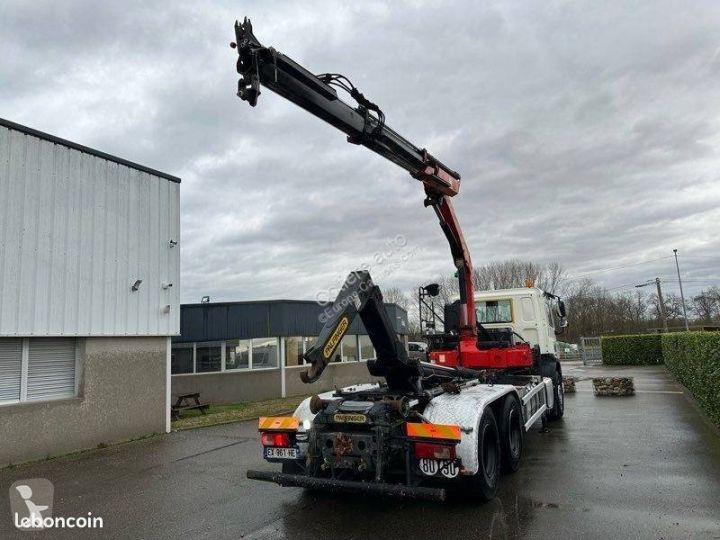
236 412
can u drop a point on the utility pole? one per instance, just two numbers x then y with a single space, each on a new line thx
682 296
662 304
663 315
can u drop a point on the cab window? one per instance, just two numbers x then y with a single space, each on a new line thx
493 311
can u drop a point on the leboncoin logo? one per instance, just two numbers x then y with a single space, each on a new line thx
31 506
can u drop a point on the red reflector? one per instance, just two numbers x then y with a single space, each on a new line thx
270 438
434 451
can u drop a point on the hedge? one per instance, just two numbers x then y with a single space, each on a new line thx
694 358
632 350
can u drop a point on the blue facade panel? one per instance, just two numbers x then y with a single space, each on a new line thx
272 318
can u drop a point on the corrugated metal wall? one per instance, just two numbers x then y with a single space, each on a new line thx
76 231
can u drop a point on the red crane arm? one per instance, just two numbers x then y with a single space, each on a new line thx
461 258
363 125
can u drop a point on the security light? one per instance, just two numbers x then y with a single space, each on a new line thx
205 300
432 290
136 285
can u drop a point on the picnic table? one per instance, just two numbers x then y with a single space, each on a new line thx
187 402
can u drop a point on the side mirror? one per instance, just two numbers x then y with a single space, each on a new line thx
562 325
561 310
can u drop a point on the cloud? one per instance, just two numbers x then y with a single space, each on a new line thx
585 132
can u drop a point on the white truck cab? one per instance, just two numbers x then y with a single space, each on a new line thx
534 315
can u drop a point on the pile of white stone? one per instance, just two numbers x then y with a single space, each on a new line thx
569 385
613 386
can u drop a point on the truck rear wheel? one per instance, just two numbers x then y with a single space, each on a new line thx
558 409
511 434
550 367
484 484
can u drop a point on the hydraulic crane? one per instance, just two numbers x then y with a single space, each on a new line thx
365 125
409 428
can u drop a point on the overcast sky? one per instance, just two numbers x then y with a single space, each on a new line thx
586 133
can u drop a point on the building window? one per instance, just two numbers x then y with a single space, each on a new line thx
257 353
349 348
237 354
264 353
308 342
207 358
366 348
296 348
38 369
181 358
294 351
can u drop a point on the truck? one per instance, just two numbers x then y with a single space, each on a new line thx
452 423
529 313
538 316
417 349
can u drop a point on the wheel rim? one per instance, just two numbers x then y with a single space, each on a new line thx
489 453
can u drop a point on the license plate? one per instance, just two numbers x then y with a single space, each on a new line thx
435 467
281 453
350 418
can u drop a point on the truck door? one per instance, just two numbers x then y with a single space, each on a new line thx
527 321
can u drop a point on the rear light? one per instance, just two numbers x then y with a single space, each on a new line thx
426 450
270 438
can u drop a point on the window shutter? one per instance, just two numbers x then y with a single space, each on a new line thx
10 369
51 369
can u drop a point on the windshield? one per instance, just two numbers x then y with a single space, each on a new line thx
493 311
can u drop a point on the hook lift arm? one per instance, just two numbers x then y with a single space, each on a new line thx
364 125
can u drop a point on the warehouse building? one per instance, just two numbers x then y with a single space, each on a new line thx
89 295
244 351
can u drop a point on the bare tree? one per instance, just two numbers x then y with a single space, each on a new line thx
448 289
706 305
553 279
592 309
673 306
517 273
395 295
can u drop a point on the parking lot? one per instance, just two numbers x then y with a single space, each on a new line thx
646 466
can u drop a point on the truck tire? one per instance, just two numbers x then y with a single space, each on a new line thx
558 409
550 367
484 484
511 433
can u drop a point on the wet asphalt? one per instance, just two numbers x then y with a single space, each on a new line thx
646 466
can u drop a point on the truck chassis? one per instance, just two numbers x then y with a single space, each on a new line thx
438 429
370 451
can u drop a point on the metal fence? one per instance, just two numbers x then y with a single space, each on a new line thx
591 351
569 356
